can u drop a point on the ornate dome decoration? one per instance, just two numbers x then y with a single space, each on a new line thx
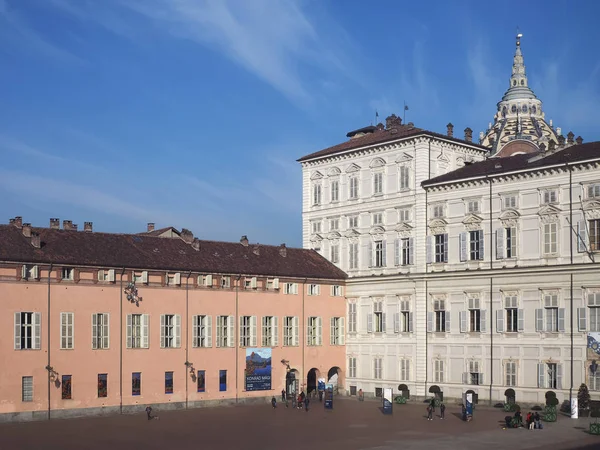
519 114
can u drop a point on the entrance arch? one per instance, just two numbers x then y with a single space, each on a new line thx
292 378
334 376
311 380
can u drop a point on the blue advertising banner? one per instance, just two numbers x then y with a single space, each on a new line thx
321 385
388 398
329 396
258 369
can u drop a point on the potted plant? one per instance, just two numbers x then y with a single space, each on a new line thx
583 400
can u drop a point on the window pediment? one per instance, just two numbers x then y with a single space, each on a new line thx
316 238
352 233
592 209
316 176
443 158
549 212
334 235
334 171
509 217
377 230
404 158
403 227
352 168
472 219
437 223
377 162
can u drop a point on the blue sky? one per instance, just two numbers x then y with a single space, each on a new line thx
192 113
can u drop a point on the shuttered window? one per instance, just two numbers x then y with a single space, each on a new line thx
27 389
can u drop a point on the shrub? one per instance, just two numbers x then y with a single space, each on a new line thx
583 397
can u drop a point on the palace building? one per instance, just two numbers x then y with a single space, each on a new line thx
97 323
472 265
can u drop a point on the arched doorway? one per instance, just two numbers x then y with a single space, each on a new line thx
475 396
292 378
404 391
311 380
334 376
510 396
437 393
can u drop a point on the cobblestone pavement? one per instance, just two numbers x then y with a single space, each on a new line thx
351 425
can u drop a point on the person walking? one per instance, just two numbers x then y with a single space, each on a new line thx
429 412
273 402
442 410
149 413
321 396
283 395
432 404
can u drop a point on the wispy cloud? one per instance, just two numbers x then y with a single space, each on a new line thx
15 31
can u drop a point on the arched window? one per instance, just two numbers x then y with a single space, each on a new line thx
514 82
522 82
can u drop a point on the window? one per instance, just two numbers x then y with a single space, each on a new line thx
170 331
139 277
378 183
250 283
549 196
316 194
222 380
438 211
67 273
136 383
290 288
594 191
27 389
314 289
66 393
509 202
441 248
513 324
137 330
353 183
290 331
270 334
476 244
106 275
475 319
404 177
550 238
550 375
405 370
594 312
337 290
404 215
353 255
168 382
173 279
28 330
376 320
334 224
335 191
248 331
506 243
378 368
66 331
473 375
551 312
225 331
100 331
202 331
314 331
207 281
378 218
337 331
403 321
102 385
473 206
594 227
353 222
351 367
29 272
225 282
272 284
439 308
438 371
201 380
316 227
335 253
510 373
351 317
379 254
404 252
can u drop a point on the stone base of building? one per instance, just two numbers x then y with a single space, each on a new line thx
157 408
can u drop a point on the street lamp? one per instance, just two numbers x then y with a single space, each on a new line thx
190 366
132 293
53 374
593 367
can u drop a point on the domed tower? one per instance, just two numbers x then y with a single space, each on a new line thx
519 125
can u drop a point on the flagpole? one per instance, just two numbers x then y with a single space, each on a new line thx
404 115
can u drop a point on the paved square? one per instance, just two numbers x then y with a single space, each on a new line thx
352 425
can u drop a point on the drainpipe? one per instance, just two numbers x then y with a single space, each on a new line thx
235 344
571 274
48 338
491 294
187 335
121 342
303 327
426 285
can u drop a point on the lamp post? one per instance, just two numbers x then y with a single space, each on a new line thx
593 367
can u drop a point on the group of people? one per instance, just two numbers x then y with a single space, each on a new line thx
300 402
532 421
431 410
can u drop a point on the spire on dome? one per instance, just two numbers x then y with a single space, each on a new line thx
518 86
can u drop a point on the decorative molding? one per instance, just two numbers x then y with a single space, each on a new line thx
334 171
509 218
352 168
549 214
437 226
404 158
472 222
377 162
316 176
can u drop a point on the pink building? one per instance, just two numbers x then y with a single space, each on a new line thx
101 323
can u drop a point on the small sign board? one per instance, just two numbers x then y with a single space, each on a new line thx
388 400
329 396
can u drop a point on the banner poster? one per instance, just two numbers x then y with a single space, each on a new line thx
593 345
468 403
321 384
258 369
329 396
387 400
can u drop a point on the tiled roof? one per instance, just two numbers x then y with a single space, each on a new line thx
380 136
531 161
133 251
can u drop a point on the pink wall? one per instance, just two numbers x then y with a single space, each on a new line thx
84 364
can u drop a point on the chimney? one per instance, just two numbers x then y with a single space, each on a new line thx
283 250
150 226
11 221
468 135
18 222
35 240
450 129
27 230
551 146
187 236
561 141
87 226
67 225
256 250
392 122
380 126
579 140
570 137
74 227
244 241
196 244
55 224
